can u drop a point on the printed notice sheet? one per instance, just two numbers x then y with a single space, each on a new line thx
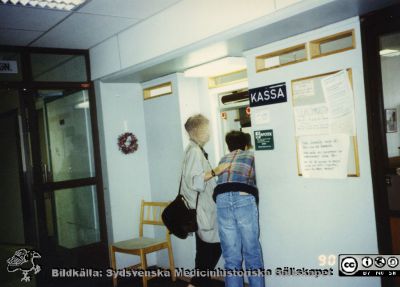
312 120
339 97
323 108
324 156
303 88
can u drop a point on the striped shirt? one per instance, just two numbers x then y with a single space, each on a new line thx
241 169
240 176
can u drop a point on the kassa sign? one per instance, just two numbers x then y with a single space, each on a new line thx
268 95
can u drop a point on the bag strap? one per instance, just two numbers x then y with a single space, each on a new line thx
183 169
179 192
205 155
180 184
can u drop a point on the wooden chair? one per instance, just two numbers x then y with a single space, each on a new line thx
150 214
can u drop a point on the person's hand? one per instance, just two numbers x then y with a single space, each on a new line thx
221 168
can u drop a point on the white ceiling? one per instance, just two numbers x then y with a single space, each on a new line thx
90 24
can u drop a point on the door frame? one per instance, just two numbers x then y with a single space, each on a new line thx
25 206
50 187
374 25
27 89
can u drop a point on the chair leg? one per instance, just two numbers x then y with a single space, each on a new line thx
143 263
113 265
171 262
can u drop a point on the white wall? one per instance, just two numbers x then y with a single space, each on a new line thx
301 218
126 177
104 58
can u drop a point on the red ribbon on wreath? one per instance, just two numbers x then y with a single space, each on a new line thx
127 143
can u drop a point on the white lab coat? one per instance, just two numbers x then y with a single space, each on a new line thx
194 167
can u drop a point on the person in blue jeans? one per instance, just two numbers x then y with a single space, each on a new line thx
236 195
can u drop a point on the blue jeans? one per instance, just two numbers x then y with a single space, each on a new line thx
239 232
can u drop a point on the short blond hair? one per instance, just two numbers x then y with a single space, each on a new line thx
195 122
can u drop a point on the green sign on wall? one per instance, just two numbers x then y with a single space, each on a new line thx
264 139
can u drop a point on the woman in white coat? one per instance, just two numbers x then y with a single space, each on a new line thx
199 181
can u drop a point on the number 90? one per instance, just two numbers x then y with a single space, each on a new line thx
329 260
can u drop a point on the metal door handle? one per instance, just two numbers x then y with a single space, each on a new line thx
44 172
388 180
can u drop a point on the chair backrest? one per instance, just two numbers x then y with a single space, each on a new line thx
150 214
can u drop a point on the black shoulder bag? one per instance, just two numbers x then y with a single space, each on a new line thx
178 217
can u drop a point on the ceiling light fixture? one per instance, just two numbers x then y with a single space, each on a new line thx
52 4
217 68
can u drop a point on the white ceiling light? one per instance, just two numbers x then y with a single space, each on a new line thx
389 53
52 4
218 67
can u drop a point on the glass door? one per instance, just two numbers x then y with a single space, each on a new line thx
390 69
73 225
51 188
381 49
66 136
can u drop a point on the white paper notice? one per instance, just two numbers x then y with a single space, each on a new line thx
339 96
312 120
303 88
324 156
260 116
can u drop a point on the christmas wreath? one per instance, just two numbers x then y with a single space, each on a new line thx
127 143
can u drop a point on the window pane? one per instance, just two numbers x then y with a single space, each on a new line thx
77 216
292 56
157 91
280 58
332 44
10 66
58 68
336 45
65 134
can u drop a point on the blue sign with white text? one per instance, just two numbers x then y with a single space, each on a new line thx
268 95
